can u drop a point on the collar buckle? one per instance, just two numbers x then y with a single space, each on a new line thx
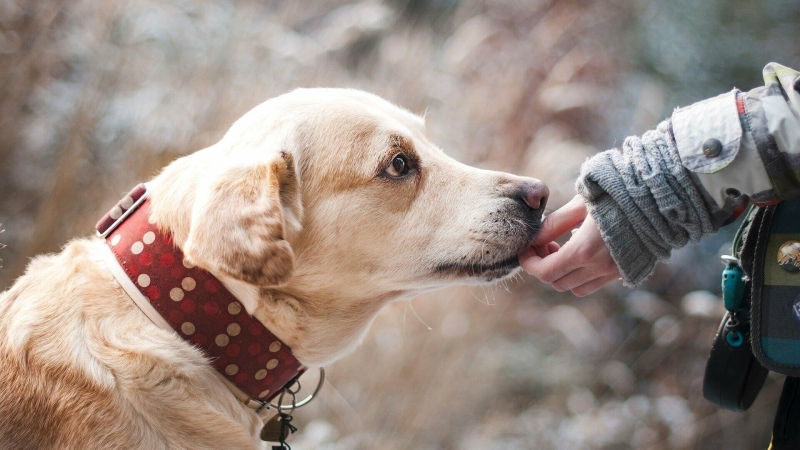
124 208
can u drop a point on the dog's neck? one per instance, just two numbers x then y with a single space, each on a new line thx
317 328
323 331
175 295
320 326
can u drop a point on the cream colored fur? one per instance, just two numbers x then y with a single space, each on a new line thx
294 211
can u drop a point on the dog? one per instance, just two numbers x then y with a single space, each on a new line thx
315 209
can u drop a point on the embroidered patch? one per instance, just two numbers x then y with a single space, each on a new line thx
789 256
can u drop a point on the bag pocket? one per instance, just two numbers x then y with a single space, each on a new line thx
775 307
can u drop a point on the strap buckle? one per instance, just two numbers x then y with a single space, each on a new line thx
121 211
294 405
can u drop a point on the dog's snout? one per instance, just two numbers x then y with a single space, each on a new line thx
534 194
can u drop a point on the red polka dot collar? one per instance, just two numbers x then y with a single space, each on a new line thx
193 303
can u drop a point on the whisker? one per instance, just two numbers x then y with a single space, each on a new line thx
476 297
2 246
404 320
418 317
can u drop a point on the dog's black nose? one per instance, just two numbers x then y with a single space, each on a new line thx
534 194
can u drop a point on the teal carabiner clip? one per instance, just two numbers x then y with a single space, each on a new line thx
732 284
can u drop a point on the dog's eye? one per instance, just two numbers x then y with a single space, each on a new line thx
399 166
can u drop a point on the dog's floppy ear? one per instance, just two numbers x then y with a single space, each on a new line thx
239 222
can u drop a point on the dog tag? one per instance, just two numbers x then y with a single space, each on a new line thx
277 430
271 432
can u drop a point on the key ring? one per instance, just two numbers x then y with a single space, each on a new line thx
280 407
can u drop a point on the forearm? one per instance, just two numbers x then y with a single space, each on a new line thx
696 172
644 202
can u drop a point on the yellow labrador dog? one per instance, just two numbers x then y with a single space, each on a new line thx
316 209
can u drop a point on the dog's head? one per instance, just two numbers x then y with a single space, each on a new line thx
335 199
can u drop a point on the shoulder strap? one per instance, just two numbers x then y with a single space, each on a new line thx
786 430
744 243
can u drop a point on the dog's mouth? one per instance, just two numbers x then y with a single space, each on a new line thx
485 271
511 234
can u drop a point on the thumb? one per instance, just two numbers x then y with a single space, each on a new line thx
561 221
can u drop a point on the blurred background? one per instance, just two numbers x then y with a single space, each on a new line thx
97 96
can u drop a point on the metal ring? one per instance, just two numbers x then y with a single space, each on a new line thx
306 400
727 259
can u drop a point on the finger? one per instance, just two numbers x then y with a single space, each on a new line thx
547 249
561 221
551 268
539 250
580 276
530 252
529 261
594 285
559 284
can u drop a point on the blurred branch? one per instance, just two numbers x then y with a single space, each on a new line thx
2 246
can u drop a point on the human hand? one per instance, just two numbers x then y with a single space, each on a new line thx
583 264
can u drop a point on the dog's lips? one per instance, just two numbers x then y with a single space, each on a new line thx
493 270
477 268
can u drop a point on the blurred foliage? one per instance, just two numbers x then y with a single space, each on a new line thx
697 49
97 96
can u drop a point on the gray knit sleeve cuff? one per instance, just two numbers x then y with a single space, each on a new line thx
644 203
635 264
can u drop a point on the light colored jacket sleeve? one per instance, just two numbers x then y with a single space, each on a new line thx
759 133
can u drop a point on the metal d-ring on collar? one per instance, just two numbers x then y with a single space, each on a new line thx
280 407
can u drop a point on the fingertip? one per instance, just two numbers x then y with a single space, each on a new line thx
528 263
542 250
561 221
579 293
529 252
